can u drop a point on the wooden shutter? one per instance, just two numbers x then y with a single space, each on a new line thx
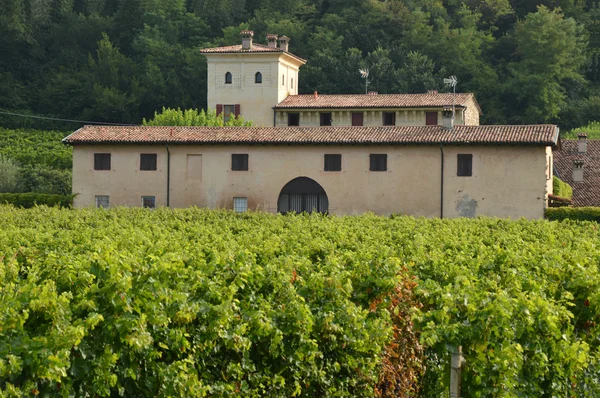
219 109
357 118
236 110
431 118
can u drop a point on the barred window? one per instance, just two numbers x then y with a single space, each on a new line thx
149 202
102 161
333 162
240 205
239 162
464 165
148 161
102 201
378 162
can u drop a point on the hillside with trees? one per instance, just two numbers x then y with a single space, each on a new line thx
122 60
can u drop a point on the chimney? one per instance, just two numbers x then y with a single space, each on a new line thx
247 39
578 171
447 118
284 42
582 143
372 93
316 94
432 91
272 40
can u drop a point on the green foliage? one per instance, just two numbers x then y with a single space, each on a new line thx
561 188
9 175
573 213
173 302
193 117
31 199
592 130
36 148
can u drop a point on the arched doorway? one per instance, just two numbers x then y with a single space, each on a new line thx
302 194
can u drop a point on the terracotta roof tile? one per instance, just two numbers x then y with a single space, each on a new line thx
346 135
256 48
587 192
374 100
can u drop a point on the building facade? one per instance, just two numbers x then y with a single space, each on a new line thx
260 83
498 171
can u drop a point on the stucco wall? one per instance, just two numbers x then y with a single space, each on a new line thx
506 181
256 100
371 117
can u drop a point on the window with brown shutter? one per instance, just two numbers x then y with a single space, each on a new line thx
389 118
102 161
239 162
378 162
148 161
219 109
357 118
431 118
464 165
236 110
333 162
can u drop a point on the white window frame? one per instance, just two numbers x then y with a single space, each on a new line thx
240 204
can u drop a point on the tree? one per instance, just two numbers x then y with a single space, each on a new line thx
550 51
193 117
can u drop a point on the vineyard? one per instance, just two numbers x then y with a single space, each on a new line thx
133 302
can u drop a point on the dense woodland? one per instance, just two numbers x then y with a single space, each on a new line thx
528 61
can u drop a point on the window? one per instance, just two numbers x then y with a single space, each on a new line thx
102 161
326 119
102 201
240 205
378 162
293 119
228 78
464 166
148 161
149 202
239 162
228 111
333 162
389 118
357 118
431 118
258 78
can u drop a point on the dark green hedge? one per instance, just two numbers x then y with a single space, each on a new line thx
561 188
573 213
30 199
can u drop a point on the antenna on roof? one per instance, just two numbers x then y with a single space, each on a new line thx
364 74
452 81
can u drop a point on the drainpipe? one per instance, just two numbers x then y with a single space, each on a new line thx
274 118
442 182
168 175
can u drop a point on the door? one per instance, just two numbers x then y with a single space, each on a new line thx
431 118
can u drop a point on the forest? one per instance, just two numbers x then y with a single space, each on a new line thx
119 61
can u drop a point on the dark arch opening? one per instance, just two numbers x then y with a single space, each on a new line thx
302 194
258 78
228 78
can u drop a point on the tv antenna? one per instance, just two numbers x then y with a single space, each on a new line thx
452 81
364 74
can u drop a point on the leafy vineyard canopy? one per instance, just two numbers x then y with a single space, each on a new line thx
122 60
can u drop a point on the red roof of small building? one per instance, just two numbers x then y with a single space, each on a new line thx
256 48
587 192
428 100
543 135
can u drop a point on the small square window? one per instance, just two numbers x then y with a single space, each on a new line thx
293 119
148 161
464 165
149 202
239 162
102 161
389 118
333 162
378 162
240 205
102 201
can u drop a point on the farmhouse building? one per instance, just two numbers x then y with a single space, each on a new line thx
260 83
500 171
577 163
